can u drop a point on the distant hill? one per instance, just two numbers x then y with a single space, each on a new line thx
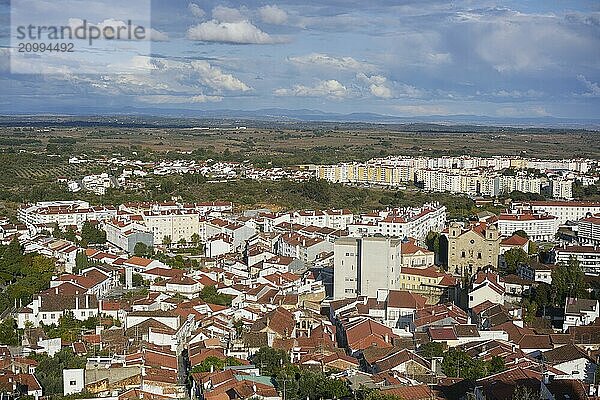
183 118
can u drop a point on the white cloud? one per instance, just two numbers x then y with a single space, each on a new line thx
329 88
341 63
377 85
272 14
423 109
216 79
533 111
242 32
439 58
158 36
164 81
227 14
513 42
518 94
592 87
172 99
196 10
121 34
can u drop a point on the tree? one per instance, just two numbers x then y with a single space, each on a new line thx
8 332
195 239
81 262
568 280
531 308
239 327
70 235
56 232
495 365
210 295
182 242
91 234
309 384
378 395
140 249
167 240
431 349
521 233
137 280
524 393
432 240
50 369
270 360
515 257
543 294
458 364
215 364
532 248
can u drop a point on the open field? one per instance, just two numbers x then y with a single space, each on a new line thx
319 143
33 158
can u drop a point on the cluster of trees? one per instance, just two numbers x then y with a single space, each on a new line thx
567 281
91 234
8 332
458 364
210 295
143 250
23 275
515 257
50 369
297 383
69 328
215 364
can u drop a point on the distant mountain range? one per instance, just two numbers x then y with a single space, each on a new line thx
285 116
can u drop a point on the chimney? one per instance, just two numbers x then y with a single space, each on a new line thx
87 301
77 302
56 290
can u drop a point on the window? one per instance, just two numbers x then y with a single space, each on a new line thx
73 383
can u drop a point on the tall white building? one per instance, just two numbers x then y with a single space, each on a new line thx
588 230
175 224
364 265
562 188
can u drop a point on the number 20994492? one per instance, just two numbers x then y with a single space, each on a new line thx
27 47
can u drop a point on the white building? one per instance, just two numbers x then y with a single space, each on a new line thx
64 213
563 210
126 234
415 222
362 266
588 257
73 381
173 224
539 227
580 312
562 188
588 230
486 286
52 304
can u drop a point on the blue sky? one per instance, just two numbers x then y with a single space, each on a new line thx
404 58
